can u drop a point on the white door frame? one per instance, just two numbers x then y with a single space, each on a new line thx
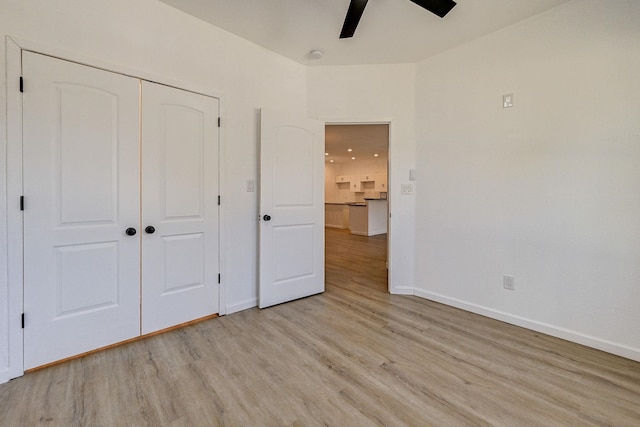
381 121
15 238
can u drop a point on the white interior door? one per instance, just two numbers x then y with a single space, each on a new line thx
81 190
180 201
291 208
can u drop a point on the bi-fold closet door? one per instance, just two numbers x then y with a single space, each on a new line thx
120 182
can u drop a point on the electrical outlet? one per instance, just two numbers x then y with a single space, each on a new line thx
509 283
406 189
251 186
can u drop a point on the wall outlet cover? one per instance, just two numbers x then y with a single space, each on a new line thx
509 282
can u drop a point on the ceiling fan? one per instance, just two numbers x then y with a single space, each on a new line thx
356 8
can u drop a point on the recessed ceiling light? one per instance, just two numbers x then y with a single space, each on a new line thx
326 154
331 161
375 155
353 158
349 150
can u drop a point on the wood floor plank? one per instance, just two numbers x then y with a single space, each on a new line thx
354 356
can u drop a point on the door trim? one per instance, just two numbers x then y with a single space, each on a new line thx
15 237
14 214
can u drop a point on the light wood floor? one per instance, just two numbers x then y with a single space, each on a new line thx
352 356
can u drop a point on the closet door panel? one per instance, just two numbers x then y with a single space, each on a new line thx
81 188
179 200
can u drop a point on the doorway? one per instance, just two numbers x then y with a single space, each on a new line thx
357 203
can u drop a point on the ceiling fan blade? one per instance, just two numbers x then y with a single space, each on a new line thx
354 13
438 7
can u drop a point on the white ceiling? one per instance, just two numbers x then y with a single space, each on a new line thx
364 140
390 31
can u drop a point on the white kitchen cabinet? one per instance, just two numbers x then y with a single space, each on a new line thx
355 185
381 183
360 183
336 215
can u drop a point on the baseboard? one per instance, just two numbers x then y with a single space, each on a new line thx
576 337
243 305
401 290
378 231
340 227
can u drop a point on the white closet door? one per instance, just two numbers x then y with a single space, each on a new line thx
81 190
179 200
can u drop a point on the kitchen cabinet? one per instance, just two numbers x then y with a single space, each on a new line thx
381 183
336 215
360 183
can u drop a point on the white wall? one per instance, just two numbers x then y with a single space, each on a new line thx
154 38
547 191
377 93
365 166
331 190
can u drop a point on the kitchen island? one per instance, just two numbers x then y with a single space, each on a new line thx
368 218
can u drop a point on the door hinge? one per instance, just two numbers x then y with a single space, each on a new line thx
218 200
218 278
218 121
21 84
21 203
22 321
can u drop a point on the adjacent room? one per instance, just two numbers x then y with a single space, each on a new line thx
182 244
356 193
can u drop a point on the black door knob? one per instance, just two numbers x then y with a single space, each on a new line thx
267 218
130 231
149 229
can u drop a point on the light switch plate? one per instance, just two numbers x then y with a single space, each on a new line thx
507 100
251 186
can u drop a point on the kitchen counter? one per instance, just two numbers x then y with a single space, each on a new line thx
336 215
